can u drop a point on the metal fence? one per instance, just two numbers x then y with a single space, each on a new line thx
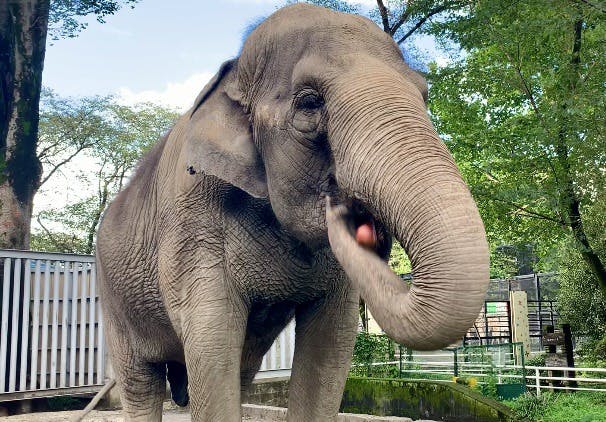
51 330
499 367
493 325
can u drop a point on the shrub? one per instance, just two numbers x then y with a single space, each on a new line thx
372 348
560 407
531 407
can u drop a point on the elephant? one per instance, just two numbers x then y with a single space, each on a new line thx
246 215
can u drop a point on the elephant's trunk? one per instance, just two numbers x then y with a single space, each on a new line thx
389 157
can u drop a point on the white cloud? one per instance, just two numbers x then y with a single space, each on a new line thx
179 95
368 3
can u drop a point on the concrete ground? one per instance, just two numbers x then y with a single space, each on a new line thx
251 413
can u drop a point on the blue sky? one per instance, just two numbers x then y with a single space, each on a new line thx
154 47
162 51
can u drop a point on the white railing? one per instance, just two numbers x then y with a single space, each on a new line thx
587 379
51 332
585 383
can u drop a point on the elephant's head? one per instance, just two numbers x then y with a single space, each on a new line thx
321 104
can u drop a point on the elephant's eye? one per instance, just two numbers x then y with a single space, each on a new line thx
309 101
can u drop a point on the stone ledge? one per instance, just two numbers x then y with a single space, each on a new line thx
278 414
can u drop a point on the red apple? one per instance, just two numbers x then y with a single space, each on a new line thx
366 235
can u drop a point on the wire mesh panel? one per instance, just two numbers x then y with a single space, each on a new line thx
497 368
50 322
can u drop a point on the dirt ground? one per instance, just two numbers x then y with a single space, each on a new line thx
252 413
94 416
103 416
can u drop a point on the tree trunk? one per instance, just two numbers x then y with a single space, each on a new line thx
570 201
92 229
23 27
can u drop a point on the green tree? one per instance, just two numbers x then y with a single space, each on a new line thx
523 111
24 25
401 19
116 137
68 127
579 302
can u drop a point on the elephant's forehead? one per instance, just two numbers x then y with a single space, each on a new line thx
279 42
277 45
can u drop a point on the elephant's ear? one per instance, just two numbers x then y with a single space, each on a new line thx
220 137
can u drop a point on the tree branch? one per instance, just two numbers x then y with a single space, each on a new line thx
60 164
524 208
421 21
60 246
384 16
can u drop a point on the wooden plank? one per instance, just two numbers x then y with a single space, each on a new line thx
45 312
73 326
6 286
55 326
82 342
33 375
91 325
25 324
64 324
15 326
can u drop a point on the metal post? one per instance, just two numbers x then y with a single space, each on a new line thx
456 363
538 285
537 382
568 348
400 355
486 320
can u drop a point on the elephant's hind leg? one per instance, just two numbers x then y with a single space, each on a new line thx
142 384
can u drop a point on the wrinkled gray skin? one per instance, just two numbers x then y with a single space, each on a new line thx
202 271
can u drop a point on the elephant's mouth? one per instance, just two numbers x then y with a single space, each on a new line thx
359 216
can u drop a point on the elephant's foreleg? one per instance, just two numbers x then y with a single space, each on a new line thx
213 338
142 384
325 336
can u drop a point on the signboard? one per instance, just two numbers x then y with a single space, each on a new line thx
519 320
555 359
553 339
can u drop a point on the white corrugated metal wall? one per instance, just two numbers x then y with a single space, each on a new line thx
51 331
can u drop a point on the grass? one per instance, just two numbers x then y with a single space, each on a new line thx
561 407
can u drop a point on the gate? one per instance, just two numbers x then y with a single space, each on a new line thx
51 332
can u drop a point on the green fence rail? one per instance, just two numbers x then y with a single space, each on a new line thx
495 370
